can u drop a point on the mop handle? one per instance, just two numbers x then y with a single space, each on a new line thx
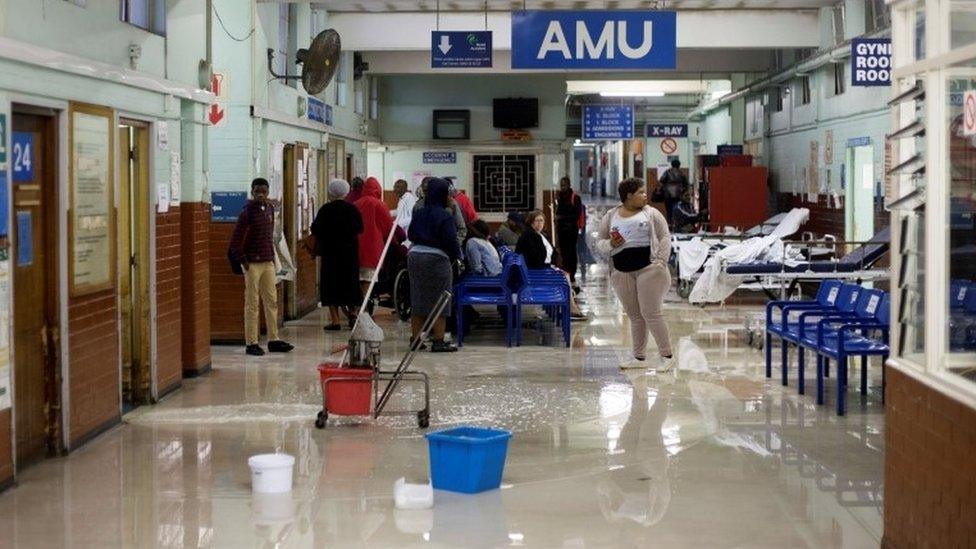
372 283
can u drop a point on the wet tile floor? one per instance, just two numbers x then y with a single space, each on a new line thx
710 455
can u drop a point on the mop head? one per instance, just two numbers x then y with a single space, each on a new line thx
366 330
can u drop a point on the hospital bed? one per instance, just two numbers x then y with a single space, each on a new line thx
859 266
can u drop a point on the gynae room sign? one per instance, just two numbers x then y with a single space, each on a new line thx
871 62
594 39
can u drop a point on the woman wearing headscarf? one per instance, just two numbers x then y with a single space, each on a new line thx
538 254
435 249
377 224
337 227
637 239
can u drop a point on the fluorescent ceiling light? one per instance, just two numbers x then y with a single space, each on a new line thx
633 94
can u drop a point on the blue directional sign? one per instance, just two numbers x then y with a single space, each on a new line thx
594 39
225 207
608 122
319 111
666 130
437 157
871 62
460 49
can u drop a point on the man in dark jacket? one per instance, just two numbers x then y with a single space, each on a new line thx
570 219
673 184
252 247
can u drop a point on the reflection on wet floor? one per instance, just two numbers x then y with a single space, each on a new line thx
710 455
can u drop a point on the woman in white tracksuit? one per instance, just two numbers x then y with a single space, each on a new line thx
637 239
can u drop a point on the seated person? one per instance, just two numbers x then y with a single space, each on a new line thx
538 254
481 256
510 231
685 217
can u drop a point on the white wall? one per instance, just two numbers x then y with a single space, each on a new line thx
92 32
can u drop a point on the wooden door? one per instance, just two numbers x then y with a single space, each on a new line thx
125 263
34 257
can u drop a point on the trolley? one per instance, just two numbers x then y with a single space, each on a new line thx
347 378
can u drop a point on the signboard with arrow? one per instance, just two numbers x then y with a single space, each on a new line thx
219 86
460 49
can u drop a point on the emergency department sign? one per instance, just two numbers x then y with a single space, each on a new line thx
871 62
594 39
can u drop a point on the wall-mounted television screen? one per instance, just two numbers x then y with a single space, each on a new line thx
515 113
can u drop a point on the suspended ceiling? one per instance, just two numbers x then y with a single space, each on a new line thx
506 5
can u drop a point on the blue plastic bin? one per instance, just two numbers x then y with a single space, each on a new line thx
467 459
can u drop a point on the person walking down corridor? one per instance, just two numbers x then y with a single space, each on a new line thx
337 228
570 220
377 225
252 248
429 263
637 239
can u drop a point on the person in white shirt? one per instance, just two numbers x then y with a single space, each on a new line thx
404 211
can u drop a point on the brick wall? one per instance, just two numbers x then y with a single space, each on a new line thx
169 364
226 289
93 364
930 473
6 449
195 280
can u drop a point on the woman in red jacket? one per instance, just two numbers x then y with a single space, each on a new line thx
376 227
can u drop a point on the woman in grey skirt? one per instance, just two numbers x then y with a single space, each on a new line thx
435 249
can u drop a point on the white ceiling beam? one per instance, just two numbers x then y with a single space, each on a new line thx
691 63
718 29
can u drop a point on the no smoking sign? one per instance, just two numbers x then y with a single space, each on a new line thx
969 113
669 146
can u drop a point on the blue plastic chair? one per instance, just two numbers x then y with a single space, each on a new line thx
841 338
486 290
541 288
833 298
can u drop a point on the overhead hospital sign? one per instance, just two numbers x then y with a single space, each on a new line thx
871 62
594 39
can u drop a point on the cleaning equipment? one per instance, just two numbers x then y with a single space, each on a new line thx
467 459
271 473
412 496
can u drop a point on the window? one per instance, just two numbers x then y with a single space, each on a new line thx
281 55
838 23
875 15
374 104
840 79
145 14
342 90
803 86
776 97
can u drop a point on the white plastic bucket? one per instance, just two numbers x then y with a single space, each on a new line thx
271 473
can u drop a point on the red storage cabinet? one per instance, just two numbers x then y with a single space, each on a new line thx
737 197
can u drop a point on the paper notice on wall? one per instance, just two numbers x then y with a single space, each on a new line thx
162 197
416 178
276 192
4 330
835 201
175 178
162 135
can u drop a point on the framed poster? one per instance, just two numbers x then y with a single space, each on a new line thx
91 200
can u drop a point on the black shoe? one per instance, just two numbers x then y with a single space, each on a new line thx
332 328
577 290
442 347
421 347
254 350
576 317
279 346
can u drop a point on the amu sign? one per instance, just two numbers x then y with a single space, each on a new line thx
594 39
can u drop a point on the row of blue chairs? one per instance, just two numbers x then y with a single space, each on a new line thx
845 320
515 287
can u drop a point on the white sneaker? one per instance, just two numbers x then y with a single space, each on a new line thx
634 365
663 365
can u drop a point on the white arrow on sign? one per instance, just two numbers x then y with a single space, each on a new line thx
445 45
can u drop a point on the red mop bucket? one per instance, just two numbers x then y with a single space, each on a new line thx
346 397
